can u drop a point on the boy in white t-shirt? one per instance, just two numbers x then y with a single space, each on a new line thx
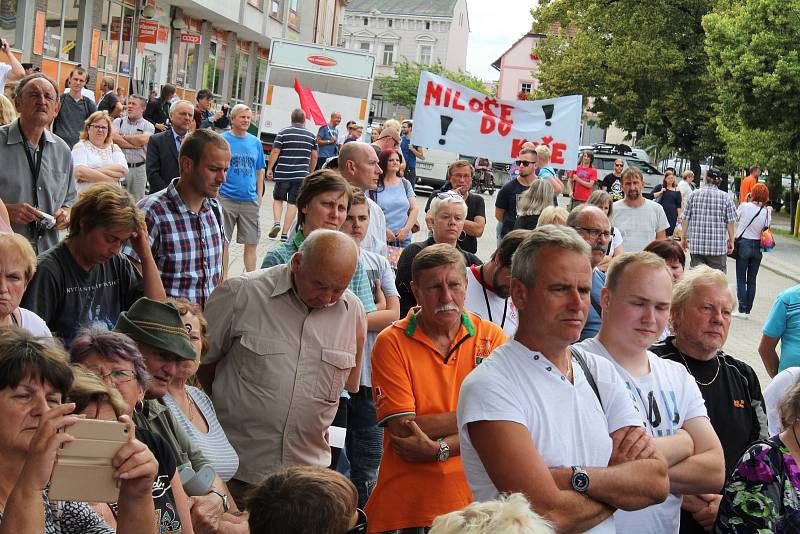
635 304
538 419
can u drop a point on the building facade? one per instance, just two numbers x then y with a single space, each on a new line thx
222 45
518 67
421 31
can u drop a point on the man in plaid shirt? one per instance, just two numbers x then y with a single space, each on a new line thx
185 220
708 216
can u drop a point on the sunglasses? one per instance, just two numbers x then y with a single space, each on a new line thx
618 165
442 195
523 163
361 524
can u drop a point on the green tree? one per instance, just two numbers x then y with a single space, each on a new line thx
755 64
401 88
639 64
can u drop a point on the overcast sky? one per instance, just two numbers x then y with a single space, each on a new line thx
494 26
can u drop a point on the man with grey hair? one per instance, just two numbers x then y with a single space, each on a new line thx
132 133
273 393
424 358
707 222
556 425
292 157
109 102
29 194
592 225
241 193
162 148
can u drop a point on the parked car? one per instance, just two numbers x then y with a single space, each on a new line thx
606 154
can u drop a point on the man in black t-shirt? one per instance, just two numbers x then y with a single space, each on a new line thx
612 183
505 205
459 179
85 279
700 318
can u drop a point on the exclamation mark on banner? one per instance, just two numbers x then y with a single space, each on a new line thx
445 122
548 113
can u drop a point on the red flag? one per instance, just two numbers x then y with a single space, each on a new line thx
309 104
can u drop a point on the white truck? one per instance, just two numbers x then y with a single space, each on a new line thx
341 80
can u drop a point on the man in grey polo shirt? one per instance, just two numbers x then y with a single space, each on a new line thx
132 134
36 177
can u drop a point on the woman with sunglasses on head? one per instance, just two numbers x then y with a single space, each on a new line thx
448 212
34 380
116 360
95 157
395 195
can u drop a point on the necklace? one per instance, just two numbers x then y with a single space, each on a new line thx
190 403
719 366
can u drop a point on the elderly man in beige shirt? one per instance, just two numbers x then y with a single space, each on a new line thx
284 343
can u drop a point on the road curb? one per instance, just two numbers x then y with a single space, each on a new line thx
780 268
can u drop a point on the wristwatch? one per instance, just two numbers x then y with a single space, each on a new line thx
224 498
580 479
444 451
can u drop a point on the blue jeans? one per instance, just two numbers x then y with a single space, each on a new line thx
364 443
747 265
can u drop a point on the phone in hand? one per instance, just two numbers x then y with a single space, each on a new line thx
84 471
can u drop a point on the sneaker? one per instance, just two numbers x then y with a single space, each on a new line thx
740 315
284 238
275 229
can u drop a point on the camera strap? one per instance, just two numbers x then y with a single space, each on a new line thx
35 165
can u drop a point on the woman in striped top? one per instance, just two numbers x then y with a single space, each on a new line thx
191 407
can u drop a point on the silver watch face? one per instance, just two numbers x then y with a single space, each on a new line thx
444 451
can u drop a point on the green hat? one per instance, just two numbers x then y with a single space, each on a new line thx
157 324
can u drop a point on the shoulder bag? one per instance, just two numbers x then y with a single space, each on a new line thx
735 252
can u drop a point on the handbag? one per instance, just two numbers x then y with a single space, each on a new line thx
393 251
406 184
735 252
767 241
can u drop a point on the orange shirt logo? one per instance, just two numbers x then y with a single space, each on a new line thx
738 403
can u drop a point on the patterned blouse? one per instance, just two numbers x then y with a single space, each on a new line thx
68 517
761 495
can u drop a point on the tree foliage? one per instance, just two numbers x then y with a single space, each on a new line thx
755 65
640 64
401 88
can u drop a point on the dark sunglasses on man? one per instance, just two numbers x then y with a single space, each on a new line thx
361 524
523 163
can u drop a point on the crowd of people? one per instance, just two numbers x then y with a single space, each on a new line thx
365 379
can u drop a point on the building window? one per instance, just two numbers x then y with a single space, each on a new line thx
61 30
388 54
364 47
293 14
8 21
389 22
425 54
366 21
240 73
186 70
427 25
526 87
258 4
275 8
215 67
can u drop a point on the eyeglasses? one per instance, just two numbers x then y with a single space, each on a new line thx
594 233
361 524
523 163
99 128
118 377
443 195
618 165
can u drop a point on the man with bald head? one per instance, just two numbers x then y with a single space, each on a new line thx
358 163
285 341
592 225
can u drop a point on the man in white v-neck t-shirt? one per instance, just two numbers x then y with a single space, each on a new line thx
488 285
531 419
635 304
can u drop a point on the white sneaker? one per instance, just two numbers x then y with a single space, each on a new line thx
740 315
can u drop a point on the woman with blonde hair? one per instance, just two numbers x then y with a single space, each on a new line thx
510 514
545 171
533 201
553 215
17 267
8 113
95 157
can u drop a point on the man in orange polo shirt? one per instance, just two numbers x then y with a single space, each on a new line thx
419 365
748 183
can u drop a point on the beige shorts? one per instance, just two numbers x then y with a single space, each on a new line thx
245 217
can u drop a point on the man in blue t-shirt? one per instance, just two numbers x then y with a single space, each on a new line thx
410 152
328 140
241 193
783 325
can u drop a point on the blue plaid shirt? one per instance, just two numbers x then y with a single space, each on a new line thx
709 211
187 246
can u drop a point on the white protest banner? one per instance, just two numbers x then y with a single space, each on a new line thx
451 117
